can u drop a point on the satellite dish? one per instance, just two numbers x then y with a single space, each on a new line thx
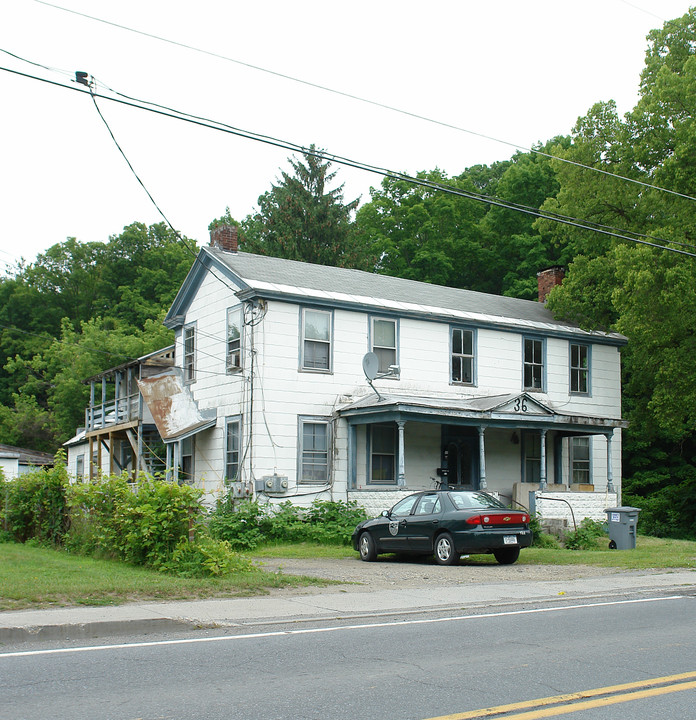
370 363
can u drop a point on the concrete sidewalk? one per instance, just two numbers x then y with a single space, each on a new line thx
90 622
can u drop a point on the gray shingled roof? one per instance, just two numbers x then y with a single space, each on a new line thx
260 268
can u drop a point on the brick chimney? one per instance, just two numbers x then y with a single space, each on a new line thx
224 237
547 280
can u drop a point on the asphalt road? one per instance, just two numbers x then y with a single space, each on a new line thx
381 669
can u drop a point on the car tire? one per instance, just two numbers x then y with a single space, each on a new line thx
366 547
507 556
445 554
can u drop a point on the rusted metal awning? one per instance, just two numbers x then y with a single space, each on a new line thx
173 408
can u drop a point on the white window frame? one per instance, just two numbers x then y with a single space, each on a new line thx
462 357
537 367
189 353
577 371
233 433
318 341
311 457
233 347
379 350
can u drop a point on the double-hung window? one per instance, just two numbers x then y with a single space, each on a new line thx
579 369
384 342
531 443
314 446
533 364
580 460
233 361
190 353
462 358
383 454
316 339
233 443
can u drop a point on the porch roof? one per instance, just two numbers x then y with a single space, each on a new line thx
510 410
175 412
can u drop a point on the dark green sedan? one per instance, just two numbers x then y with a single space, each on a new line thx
447 524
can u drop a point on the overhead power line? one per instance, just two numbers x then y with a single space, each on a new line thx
340 160
366 101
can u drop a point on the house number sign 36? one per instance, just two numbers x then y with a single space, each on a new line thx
521 405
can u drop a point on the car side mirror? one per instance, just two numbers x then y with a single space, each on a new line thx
385 513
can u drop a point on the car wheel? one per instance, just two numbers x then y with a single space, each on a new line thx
445 553
506 556
366 547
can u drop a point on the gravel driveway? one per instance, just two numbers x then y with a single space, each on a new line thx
387 572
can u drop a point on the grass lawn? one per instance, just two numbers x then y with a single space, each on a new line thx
33 577
40 577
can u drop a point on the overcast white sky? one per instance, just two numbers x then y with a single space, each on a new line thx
521 72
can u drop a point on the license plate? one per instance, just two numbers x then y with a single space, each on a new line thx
509 539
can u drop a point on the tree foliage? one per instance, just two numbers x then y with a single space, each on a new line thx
301 218
78 309
643 291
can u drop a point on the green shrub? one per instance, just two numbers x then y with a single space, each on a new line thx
284 523
34 505
140 523
245 524
98 519
541 539
159 518
205 557
332 522
586 537
238 524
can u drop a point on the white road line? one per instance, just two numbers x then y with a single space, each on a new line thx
311 631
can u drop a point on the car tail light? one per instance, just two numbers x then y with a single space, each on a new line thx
499 518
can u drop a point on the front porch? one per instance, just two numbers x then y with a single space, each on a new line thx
401 444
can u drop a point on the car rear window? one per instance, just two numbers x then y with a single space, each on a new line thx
468 500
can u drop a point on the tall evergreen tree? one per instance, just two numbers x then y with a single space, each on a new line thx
301 218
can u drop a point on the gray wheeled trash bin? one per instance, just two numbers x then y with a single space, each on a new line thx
622 527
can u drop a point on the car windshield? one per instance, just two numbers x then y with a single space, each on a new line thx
466 500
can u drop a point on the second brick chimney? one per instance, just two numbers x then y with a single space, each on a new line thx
547 280
224 237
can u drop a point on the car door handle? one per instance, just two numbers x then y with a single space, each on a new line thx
435 522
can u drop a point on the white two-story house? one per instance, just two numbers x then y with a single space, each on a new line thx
299 381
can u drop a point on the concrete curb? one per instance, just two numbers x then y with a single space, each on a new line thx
77 623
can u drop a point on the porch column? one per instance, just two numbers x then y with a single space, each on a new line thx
168 465
542 469
610 464
352 460
401 477
482 459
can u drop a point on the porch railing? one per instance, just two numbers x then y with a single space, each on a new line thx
114 412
